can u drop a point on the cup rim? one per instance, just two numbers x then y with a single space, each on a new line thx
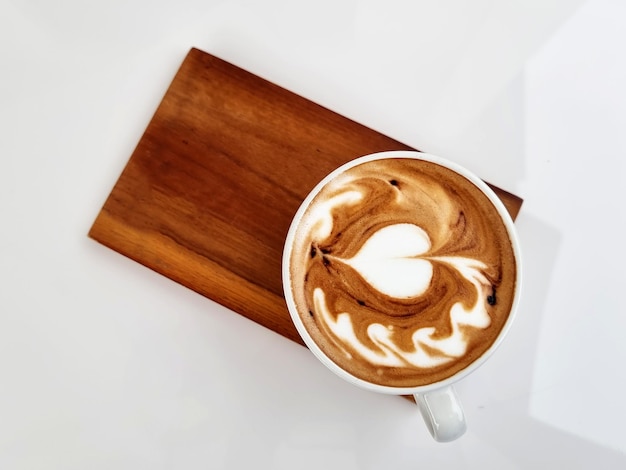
310 342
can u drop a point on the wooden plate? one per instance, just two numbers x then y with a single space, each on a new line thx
207 196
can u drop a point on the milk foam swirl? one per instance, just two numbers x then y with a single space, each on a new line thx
400 269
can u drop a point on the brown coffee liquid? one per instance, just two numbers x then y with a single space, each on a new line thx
402 272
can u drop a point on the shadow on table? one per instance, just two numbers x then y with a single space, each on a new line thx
502 420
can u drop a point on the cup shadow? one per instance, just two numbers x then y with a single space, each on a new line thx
509 375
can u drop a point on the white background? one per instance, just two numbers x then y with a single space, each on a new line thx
105 364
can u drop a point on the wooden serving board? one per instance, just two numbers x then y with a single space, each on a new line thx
208 194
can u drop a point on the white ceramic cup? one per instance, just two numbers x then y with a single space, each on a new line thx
438 402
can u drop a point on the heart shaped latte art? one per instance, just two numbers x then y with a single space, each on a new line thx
394 261
390 261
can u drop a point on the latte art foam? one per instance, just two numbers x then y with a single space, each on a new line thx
402 272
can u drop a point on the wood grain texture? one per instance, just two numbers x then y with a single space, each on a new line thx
208 194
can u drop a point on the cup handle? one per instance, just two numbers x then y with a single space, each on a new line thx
443 414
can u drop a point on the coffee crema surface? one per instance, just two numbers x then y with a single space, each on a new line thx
402 272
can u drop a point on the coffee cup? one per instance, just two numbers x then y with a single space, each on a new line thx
402 274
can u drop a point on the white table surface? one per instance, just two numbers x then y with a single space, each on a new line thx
105 364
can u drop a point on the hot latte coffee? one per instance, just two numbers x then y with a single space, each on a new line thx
402 271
